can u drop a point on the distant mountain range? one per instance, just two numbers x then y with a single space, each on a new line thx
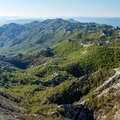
17 20
114 21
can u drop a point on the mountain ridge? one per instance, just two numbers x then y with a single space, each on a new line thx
42 34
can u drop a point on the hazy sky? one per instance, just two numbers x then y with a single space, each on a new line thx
59 8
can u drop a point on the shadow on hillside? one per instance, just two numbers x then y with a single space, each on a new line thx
77 112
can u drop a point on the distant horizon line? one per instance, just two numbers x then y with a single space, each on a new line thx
27 17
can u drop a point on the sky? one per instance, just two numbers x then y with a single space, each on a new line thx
60 8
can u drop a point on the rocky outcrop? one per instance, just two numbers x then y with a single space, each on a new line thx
75 112
10 110
110 82
70 95
105 99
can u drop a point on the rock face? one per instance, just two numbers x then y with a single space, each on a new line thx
7 108
11 111
105 99
76 112
110 82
